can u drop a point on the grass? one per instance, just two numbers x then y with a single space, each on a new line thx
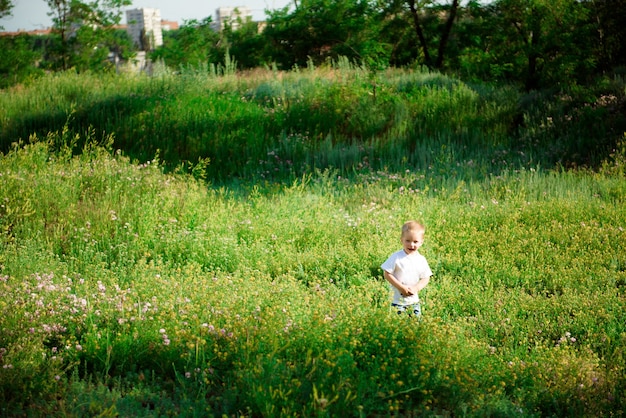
132 289
272 125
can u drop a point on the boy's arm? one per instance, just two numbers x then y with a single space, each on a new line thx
423 282
404 290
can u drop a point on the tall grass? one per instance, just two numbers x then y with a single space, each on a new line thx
273 124
130 291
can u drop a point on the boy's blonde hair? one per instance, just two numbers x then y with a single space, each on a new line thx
413 226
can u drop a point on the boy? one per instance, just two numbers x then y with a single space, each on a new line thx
407 270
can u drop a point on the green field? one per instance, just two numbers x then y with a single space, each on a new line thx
198 246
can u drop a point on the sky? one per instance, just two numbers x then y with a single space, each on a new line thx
33 14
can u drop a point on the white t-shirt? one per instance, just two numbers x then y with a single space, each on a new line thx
408 269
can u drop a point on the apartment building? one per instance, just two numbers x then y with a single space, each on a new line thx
231 16
144 27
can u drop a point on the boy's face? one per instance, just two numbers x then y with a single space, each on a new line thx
412 241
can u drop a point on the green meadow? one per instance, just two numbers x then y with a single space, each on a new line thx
201 244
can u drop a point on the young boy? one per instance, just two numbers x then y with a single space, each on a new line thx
407 270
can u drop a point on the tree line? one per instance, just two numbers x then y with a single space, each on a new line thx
534 43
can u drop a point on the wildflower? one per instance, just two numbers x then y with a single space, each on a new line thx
187 375
79 347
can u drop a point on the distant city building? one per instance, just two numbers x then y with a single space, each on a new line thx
35 32
169 25
144 27
231 16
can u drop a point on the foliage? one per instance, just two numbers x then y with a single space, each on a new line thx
319 30
546 40
573 124
91 17
611 33
98 50
535 44
444 17
193 45
18 57
5 8
246 44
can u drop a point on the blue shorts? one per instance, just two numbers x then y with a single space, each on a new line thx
413 309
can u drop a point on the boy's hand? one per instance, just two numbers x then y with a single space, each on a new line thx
407 291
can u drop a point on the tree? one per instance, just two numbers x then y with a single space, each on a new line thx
610 36
443 32
318 30
193 44
18 55
5 8
69 15
245 44
98 49
544 41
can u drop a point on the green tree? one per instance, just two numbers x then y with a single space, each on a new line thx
70 15
193 44
396 32
439 20
18 58
544 42
5 8
98 49
610 36
318 30
245 44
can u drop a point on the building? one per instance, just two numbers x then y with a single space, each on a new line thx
231 16
169 25
144 27
35 32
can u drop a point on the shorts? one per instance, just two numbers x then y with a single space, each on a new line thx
413 309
